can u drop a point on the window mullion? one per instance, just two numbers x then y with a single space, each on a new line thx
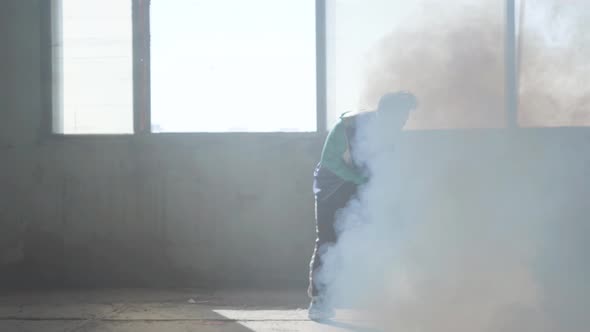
510 64
321 73
141 66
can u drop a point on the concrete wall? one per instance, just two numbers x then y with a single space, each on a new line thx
192 211
223 210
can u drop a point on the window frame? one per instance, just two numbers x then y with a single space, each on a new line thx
51 26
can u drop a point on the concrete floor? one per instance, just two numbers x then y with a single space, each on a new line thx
163 310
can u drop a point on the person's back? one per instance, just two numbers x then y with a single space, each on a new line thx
338 162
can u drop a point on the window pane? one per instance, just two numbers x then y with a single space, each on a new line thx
449 53
555 70
96 67
233 65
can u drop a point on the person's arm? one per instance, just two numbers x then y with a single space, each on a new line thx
333 156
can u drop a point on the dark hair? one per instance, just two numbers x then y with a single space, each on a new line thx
400 100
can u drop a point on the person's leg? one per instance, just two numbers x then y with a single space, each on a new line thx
326 209
325 235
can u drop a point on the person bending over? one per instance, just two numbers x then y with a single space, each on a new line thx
339 174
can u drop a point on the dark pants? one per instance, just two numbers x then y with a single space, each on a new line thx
327 203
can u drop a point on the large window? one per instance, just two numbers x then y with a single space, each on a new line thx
95 71
216 66
555 66
449 53
156 66
233 65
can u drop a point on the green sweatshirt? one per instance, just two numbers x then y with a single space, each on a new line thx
336 155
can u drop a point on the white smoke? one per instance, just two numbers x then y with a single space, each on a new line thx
555 46
439 241
416 258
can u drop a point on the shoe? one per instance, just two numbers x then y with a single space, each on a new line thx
319 311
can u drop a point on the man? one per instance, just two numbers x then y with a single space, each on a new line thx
340 171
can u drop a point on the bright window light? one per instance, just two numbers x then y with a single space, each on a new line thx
449 53
233 66
94 67
554 67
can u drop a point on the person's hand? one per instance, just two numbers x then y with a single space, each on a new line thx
362 181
